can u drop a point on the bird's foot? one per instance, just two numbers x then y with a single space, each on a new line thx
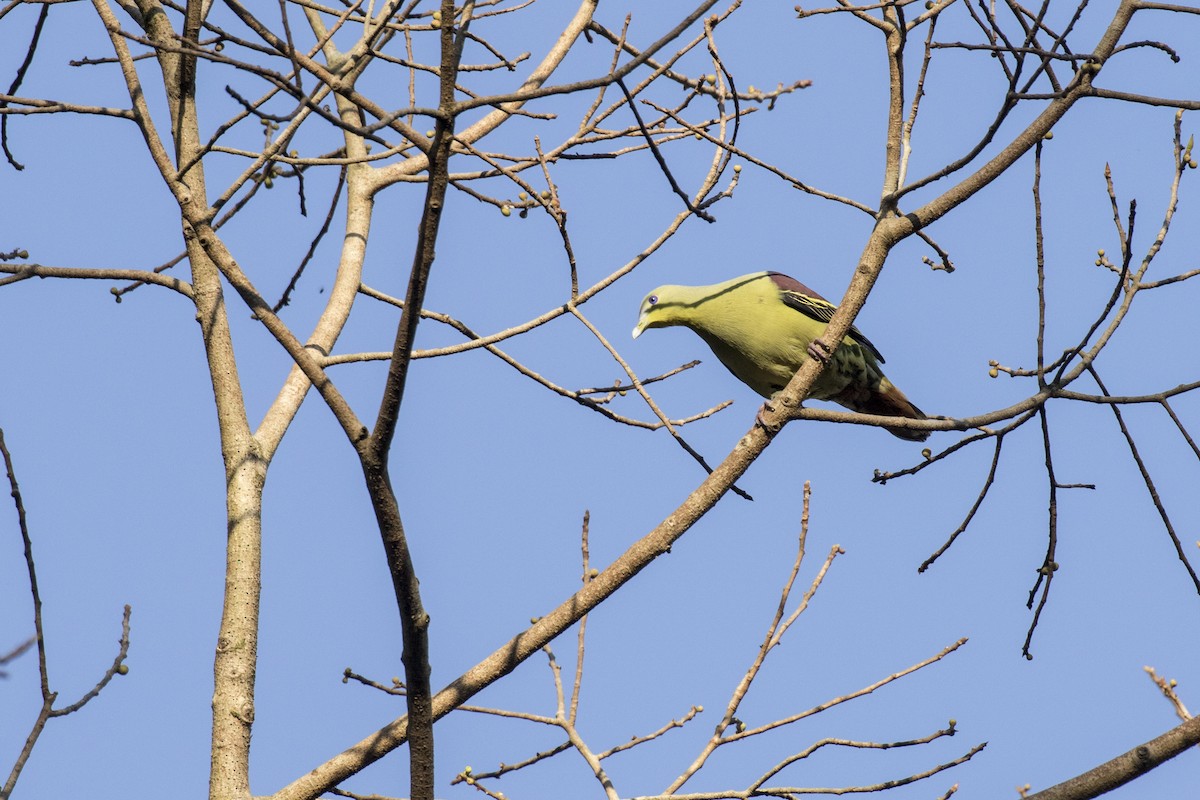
759 418
820 351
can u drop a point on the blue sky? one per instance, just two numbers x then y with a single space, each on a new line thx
109 416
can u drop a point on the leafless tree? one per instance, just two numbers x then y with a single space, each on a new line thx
396 98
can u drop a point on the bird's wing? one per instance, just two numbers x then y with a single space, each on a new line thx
797 296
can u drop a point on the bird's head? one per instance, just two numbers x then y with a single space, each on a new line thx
656 310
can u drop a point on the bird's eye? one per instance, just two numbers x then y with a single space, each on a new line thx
652 299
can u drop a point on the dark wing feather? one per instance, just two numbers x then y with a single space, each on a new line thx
797 296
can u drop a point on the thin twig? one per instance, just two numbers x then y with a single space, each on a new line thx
47 710
1167 687
646 396
662 162
1149 482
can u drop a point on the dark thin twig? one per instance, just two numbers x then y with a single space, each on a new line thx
987 485
1164 47
1046 571
882 477
225 217
1150 487
619 388
1126 259
1040 256
1187 437
47 710
291 46
691 451
650 401
285 298
253 108
1046 64
726 155
18 80
503 769
22 523
1049 565
1130 399
662 163
554 208
118 668
298 173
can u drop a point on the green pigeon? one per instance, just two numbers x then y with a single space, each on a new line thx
765 325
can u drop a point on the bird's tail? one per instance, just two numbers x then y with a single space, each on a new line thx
886 400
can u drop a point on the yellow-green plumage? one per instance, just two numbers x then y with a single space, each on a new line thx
761 326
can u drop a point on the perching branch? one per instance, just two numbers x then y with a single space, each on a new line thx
1125 767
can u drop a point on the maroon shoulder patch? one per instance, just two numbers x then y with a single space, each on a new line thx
787 283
